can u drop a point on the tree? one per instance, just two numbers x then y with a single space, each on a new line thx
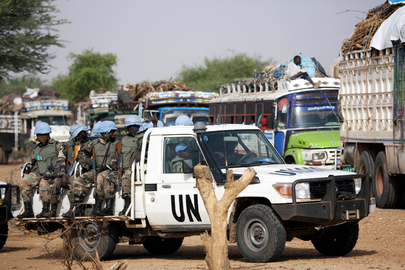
18 85
217 71
26 33
89 71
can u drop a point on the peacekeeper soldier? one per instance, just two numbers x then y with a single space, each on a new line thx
81 185
182 152
43 162
67 158
131 149
105 170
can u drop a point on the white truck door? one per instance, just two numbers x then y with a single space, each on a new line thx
177 198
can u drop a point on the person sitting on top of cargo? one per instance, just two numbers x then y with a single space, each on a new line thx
131 149
183 120
67 159
43 161
294 71
182 152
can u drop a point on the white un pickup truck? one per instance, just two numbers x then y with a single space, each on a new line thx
282 202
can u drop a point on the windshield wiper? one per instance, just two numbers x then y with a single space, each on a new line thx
261 162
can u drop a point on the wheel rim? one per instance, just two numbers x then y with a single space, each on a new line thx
379 186
256 234
91 235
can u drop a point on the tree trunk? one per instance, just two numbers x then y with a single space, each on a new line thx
216 244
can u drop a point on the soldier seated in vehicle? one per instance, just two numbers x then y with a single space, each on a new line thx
43 161
182 152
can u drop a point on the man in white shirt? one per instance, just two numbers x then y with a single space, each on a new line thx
294 71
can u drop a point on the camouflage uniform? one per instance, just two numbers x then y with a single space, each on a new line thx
177 164
42 157
130 147
106 180
66 156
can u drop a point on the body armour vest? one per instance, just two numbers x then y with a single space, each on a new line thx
45 156
101 153
130 147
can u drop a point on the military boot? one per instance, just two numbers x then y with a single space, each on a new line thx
127 202
45 209
108 210
52 212
97 208
28 213
69 213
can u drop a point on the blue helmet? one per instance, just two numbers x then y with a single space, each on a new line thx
183 120
42 128
96 129
107 127
180 147
149 125
76 129
133 120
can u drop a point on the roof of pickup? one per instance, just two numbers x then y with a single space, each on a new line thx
189 129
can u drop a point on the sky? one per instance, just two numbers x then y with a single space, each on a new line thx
154 39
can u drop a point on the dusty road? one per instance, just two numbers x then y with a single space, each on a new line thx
381 245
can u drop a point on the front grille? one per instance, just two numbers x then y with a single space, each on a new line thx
345 189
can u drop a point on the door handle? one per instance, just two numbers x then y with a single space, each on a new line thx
166 186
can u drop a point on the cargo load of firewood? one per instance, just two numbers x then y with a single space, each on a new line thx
365 30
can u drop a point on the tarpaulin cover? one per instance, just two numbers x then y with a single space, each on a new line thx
391 29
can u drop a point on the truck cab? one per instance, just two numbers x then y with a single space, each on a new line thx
283 201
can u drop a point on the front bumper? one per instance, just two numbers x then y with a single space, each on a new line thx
329 210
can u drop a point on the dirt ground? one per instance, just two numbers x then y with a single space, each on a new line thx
381 245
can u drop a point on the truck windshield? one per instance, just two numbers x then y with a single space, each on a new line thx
314 116
59 120
241 148
169 117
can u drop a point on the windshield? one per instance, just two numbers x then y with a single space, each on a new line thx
314 116
169 117
54 120
241 148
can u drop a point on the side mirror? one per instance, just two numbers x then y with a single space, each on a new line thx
187 166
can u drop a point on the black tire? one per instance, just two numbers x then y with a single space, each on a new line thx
92 237
338 240
366 163
260 234
385 187
3 234
162 246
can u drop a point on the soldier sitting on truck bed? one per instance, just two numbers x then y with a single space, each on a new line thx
131 149
67 159
105 170
294 71
43 161
81 185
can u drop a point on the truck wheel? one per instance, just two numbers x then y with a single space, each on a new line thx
3 234
162 246
1 155
260 234
366 163
91 237
384 186
338 240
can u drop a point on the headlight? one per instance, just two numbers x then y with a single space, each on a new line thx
302 191
357 185
319 156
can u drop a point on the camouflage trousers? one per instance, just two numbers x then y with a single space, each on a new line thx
80 186
126 182
106 185
56 190
30 181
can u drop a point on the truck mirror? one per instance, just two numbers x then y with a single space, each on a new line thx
188 166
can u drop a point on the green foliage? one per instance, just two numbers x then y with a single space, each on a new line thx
26 33
89 71
18 85
217 71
